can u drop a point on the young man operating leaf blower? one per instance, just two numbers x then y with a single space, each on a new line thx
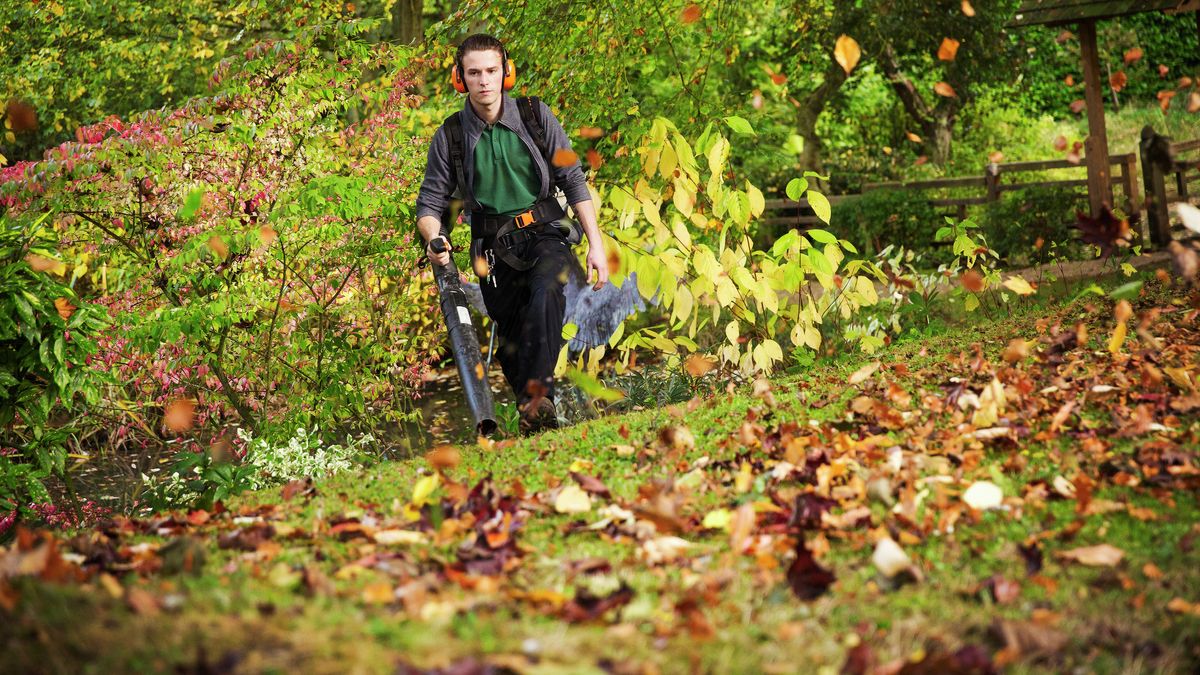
506 158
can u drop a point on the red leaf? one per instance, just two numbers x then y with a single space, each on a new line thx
807 578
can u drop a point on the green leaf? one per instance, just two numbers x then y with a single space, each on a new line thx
740 125
191 204
796 188
821 236
592 387
1127 291
819 205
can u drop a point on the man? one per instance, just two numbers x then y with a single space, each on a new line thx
508 185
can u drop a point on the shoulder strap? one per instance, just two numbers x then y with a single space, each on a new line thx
457 156
528 106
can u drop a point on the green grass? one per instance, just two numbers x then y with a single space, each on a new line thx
1114 619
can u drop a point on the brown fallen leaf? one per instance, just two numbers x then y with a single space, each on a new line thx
142 601
847 52
1100 555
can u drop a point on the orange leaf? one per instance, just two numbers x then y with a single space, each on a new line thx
1193 103
1163 70
564 157
179 414
948 50
40 263
1069 81
21 116
920 160
1185 82
778 79
1078 105
267 234
218 246
912 137
1118 80
972 280
698 365
967 8
690 14
944 89
594 159
65 308
847 52
1133 55
1060 143
1064 36
996 157
443 457
1164 99
590 132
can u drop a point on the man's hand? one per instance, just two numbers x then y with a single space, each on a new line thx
440 259
597 259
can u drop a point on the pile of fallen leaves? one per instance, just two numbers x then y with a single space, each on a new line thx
776 494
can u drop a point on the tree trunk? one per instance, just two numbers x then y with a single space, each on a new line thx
936 123
810 110
407 23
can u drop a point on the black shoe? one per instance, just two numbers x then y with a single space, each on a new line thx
545 416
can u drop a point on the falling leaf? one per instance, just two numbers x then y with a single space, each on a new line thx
698 365
756 99
267 234
218 247
1118 80
967 9
847 53
806 577
590 132
1063 36
912 137
591 484
564 157
996 157
859 376
398 537
889 558
1100 555
64 307
587 606
1069 80
572 499
142 601
983 495
179 414
1133 55
948 49
741 526
944 89
1060 143
594 160
1078 105
443 457
1106 230
41 263
1016 351
972 281
690 14
1018 285
1193 103
378 593
21 116
920 160
1163 70
1164 99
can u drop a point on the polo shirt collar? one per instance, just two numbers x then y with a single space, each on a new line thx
510 116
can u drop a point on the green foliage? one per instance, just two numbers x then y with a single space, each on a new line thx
1023 225
880 218
47 336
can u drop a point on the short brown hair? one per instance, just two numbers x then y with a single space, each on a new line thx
480 42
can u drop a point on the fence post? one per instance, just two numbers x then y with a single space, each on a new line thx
1129 184
991 180
1156 189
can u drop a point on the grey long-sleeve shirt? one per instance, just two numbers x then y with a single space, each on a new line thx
440 180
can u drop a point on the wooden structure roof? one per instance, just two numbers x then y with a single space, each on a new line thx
1084 14
1054 12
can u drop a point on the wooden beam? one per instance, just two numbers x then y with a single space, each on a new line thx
1096 145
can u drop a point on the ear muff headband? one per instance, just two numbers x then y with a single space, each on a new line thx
510 74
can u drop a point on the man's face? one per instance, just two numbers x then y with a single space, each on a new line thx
484 74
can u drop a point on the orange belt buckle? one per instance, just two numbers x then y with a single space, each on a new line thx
525 219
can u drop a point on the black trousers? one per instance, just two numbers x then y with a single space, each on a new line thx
528 308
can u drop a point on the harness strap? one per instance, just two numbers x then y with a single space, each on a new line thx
454 130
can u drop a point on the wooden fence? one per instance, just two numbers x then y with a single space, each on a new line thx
1161 160
990 186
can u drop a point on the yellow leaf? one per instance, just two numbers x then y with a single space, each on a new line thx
717 520
859 376
944 89
572 499
847 52
757 202
679 229
1018 285
1118 338
683 198
424 488
683 304
731 332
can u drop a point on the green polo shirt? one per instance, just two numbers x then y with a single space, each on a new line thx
506 179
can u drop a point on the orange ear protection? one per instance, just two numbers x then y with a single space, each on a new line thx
510 74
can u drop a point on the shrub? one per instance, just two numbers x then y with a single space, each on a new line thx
881 218
1022 224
